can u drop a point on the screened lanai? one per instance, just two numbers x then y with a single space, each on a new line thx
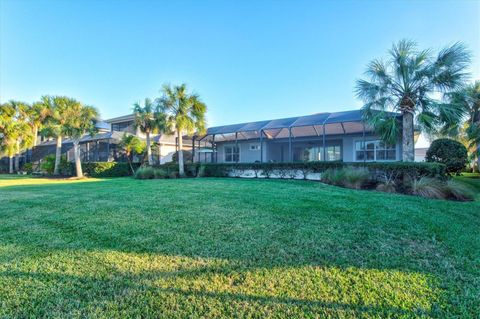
321 127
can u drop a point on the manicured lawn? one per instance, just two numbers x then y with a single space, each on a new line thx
231 247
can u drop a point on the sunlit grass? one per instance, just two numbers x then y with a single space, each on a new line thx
232 248
19 180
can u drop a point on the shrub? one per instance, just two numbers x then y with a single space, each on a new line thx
48 165
449 152
355 177
458 191
387 186
397 169
145 173
107 169
428 187
28 167
160 173
333 176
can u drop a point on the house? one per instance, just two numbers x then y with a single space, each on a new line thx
338 136
166 145
104 146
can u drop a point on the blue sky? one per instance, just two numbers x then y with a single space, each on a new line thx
248 60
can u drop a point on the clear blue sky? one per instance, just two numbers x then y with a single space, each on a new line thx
248 60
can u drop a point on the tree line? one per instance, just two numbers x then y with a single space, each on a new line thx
176 111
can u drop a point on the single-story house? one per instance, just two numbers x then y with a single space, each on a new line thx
338 136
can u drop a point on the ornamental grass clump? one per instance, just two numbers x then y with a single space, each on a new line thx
428 187
387 186
458 191
355 178
333 176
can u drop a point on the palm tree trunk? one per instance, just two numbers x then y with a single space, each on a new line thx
58 155
149 150
78 163
17 157
130 163
17 162
181 171
10 164
478 157
35 135
408 144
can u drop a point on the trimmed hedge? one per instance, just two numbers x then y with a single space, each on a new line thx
399 169
100 169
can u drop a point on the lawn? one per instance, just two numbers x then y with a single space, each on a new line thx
116 248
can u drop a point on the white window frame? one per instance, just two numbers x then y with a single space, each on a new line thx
256 147
225 153
374 151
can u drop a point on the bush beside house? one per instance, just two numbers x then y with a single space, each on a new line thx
449 152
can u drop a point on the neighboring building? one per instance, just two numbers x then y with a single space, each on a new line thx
166 145
420 154
103 146
339 136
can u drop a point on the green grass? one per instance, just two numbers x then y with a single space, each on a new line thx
116 248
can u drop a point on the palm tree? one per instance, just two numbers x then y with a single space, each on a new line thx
407 83
55 124
183 112
15 132
81 121
8 132
146 121
130 145
36 116
25 134
468 99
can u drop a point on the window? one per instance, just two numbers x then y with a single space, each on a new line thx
374 151
122 126
254 147
332 152
232 153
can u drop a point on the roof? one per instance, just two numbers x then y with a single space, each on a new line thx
308 120
87 138
124 118
316 124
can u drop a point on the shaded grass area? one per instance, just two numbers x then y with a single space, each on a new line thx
232 248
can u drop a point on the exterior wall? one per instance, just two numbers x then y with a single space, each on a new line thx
278 150
246 155
166 153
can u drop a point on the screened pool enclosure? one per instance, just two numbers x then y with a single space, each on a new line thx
339 136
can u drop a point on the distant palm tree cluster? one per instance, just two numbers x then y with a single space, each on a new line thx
53 116
59 117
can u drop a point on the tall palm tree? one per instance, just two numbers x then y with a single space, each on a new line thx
8 132
407 83
15 132
184 113
25 133
56 121
36 116
146 121
131 145
81 121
